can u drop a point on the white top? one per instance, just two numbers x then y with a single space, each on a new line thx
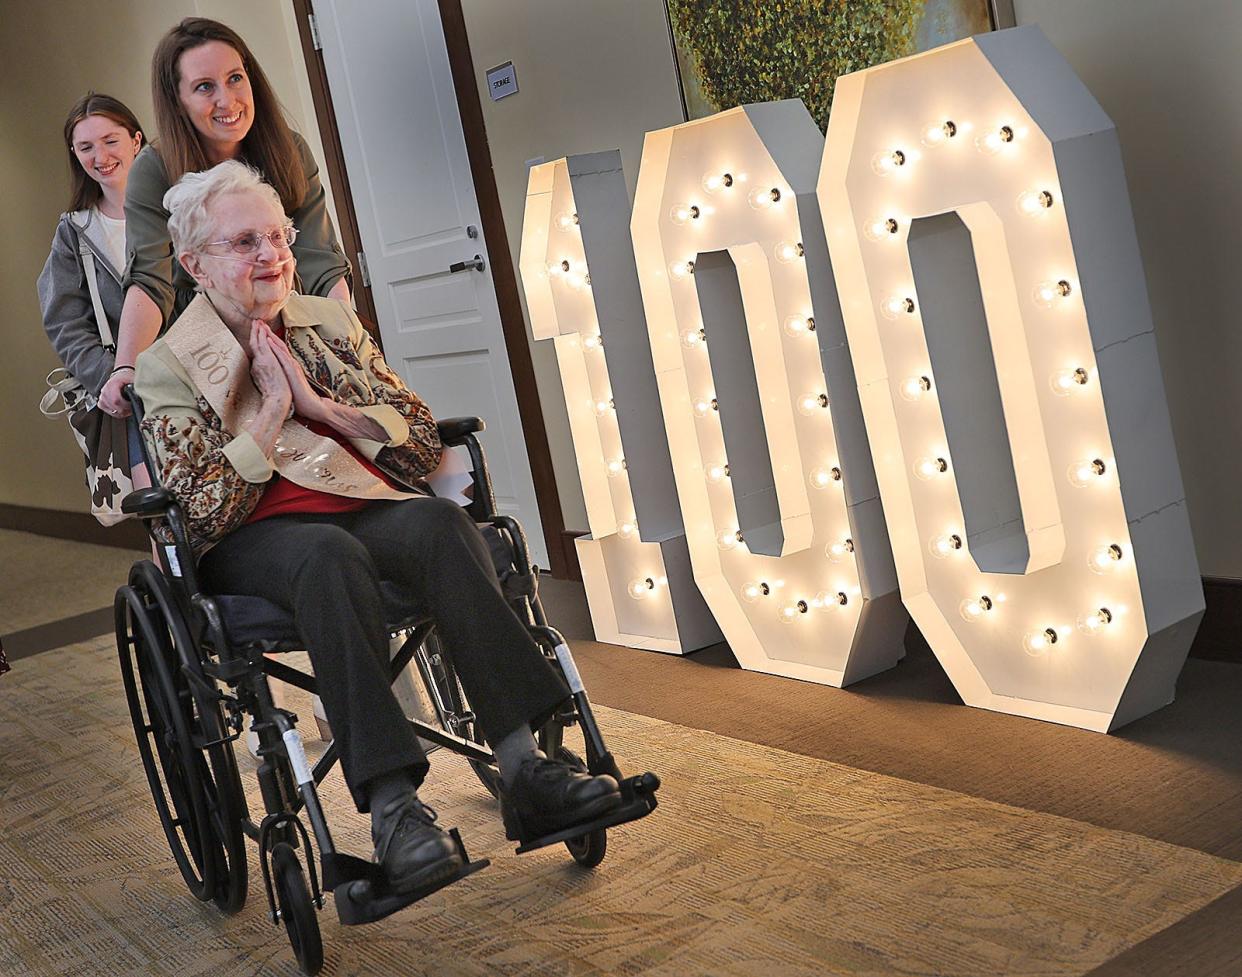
109 234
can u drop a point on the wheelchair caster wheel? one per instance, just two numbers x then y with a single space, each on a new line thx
589 849
297 911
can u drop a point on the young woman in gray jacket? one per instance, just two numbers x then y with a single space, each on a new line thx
102 137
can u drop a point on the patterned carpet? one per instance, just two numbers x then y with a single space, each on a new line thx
757 862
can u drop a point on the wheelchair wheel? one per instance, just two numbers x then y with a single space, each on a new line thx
196 788
452 708
587 850
297 910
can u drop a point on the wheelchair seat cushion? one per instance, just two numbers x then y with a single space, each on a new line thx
250 619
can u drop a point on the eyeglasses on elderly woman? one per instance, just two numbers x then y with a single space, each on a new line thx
248 242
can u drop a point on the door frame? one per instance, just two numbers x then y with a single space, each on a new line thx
561 551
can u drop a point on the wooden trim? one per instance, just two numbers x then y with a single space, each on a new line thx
334 163
81 527
560 551
1002 14
574 570
1220 634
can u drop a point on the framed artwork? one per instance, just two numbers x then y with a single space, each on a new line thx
733 52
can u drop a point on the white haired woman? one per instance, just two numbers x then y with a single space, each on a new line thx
298 455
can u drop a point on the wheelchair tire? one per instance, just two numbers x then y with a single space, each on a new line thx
297 909
211 852
587 850
450 692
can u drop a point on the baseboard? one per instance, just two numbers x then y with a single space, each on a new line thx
81 527
1220 634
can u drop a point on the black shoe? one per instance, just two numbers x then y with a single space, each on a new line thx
410 848
546 796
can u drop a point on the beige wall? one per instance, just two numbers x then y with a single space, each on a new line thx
593 75
50 54
1170 77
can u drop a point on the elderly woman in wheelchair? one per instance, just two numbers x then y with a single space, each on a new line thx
289 465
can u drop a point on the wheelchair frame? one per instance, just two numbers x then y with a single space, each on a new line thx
190 688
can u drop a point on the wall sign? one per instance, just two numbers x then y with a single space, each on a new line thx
1000 350
502 81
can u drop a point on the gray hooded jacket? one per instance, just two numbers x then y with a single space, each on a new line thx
65 299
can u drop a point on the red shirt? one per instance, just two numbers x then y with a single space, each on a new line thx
282 496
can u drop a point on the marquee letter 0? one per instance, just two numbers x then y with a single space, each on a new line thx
582 293
781 510
994 299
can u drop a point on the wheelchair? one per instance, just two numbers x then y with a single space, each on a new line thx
195 666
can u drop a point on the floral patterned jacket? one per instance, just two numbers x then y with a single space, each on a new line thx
218 478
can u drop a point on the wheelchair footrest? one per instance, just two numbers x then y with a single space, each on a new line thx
361 894
637 801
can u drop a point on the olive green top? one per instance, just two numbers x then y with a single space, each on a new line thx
149 256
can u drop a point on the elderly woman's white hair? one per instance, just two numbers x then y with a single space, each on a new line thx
189 201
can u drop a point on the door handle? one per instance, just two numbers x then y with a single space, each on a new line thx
475 264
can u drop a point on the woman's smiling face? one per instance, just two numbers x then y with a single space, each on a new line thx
254 285
215 92
105 150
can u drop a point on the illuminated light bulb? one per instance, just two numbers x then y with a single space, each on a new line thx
1049 293
1038 642
887 163
829 599
823 477
897 305
681 270
628 530
788 251
914 387
715 182
641 589
799 325
694 338
926 468
602 407
881 229
594 341
936 133
753 590
991 143
615 467
973 608
566 221
702 408
1105 558
812 403
577 280
1096 621
1064 381
1089 472
789 612
1035 202
840 550
762 199
717 473
684 213
945 546
727 539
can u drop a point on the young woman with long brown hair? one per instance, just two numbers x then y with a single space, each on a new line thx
212 103
102 140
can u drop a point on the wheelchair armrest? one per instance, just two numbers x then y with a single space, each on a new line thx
453 430
148 503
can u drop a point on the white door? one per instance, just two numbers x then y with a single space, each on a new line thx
401 134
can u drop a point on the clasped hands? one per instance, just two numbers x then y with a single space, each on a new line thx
282 381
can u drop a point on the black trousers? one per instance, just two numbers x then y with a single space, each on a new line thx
326 570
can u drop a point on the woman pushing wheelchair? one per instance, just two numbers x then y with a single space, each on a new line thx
298 457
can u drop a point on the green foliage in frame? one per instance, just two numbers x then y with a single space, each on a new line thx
763 50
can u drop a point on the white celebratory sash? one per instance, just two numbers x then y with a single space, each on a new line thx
220 369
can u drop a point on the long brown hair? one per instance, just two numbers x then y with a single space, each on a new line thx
84 192
268 146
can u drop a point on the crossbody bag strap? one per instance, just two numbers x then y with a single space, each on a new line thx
92 282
